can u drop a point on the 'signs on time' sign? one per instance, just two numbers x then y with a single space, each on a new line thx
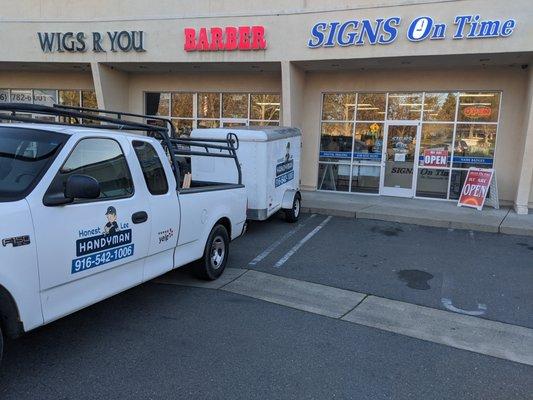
386 30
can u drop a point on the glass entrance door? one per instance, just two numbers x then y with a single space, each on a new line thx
399 165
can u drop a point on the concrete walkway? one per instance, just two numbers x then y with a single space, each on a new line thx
444 214
492 338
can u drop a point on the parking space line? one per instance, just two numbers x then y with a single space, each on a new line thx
296 247
278 242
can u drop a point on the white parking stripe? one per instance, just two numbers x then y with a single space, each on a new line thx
281 240
296 247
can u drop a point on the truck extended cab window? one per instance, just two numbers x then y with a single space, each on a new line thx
153 171
101 159
25 155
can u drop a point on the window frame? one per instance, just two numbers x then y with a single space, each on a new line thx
100 199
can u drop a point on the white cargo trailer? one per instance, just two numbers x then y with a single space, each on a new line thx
270 164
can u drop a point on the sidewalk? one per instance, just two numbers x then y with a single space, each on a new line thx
442 214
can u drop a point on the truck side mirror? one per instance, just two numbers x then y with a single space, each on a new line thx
76 187
82 187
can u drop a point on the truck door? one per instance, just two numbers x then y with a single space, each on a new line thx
89 250
163 200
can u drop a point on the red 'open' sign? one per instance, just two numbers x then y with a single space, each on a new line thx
435 158
476 187
225 39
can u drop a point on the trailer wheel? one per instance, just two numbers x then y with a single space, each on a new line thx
292 214
216 252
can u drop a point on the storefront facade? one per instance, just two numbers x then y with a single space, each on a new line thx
393 98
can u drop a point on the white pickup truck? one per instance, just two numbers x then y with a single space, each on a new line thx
87 212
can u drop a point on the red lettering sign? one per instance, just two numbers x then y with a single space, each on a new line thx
225 39
475 187
435 158
477 112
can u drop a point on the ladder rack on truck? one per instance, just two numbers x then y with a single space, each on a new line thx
163 129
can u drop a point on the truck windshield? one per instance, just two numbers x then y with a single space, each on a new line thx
25 155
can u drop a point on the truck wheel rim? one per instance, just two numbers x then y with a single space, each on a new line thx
218 251
296 207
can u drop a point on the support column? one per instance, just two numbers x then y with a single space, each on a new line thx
525 182
292 93
111 87
292 87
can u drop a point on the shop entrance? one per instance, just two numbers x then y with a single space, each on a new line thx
399 168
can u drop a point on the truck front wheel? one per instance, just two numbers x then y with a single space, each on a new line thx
215 256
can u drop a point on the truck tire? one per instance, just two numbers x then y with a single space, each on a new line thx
292 214
1 345
216 253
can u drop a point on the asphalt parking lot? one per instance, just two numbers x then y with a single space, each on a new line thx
164 341
487 274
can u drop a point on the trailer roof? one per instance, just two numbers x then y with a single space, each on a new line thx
249 133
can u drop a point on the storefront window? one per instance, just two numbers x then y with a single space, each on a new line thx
474 145
365 178
88 99
440 106
234 105
21 96
264 107
478 107
371 106
404 106
210 113
336 141
208 123
338 107
456 183
263 123
335 177
44 97
209 105
68 97
183 127
4 96
368 141
182 105
436 145
452 137
432 183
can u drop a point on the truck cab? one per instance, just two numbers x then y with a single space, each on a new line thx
88 212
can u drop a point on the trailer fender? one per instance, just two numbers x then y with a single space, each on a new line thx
288 198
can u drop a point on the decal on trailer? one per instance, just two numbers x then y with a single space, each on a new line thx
99 246
285 168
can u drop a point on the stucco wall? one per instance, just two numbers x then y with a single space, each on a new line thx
287 27
46 80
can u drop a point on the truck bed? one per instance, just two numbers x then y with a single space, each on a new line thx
206 186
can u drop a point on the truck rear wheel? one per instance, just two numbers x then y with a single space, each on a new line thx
292 214
215 256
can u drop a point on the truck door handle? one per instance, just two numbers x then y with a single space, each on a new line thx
139 217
